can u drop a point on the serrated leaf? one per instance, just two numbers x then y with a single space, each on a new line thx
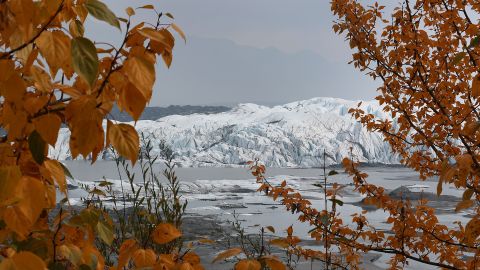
141 73
124 139
85 59
100 11
37 147
48 126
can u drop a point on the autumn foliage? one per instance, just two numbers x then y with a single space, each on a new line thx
51 74
426 55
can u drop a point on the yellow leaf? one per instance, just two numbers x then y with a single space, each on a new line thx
248 265
58 173
55 47
463 205
130 11
48 126
105 232
85 123
227 254
472 230
31 201
179 31
165 233
144 258
124 139
140 73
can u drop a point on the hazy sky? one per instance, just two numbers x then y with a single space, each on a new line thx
263 51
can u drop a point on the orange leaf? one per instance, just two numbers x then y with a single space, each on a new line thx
463 205
227 254
248 265
23 260
58 173
165 233
127 249
132 101
179 31
274 263
48 126
124 139
472 230
85 122
141 73
144 258
476 86
279 242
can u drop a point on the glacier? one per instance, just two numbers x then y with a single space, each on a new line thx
290 135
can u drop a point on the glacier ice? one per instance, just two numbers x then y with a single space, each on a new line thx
290 135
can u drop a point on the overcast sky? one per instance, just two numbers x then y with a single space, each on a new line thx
263 51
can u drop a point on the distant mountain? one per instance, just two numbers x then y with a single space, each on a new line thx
290 135
154 113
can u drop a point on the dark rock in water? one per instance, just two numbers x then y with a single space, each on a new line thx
231 206
405 193
71 187
442 203
238 189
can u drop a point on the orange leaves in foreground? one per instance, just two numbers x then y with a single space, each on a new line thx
53 76
23 260
165 233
